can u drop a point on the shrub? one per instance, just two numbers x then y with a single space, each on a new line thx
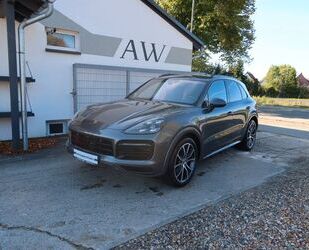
271 92
303 92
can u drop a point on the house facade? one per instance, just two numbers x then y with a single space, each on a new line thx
302 81
89 52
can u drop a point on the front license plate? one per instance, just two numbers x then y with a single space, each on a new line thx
86 157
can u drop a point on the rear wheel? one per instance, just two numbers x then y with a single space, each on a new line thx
182 163
249 139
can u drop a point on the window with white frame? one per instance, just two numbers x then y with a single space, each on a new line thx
59 39
56 127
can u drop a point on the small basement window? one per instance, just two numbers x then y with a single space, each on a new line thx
56 127
62 40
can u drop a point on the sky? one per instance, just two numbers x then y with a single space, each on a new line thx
282 36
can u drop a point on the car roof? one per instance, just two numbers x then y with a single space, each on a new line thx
196 75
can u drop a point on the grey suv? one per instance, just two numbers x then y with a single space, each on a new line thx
165 126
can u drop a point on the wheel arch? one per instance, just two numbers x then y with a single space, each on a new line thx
255 118
190 132
196 138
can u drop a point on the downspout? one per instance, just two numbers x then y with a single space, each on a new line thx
22 66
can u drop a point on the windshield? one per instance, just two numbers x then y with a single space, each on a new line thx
184 91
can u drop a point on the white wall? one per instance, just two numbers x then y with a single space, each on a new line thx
129 19
50 94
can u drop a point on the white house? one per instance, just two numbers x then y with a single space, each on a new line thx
92 51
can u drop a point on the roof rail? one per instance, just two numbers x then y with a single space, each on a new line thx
166 74
201 74
188 74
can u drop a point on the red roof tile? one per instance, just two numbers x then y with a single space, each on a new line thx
302 81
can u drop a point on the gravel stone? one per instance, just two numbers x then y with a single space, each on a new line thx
273 215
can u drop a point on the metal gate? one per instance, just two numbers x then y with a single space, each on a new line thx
96 83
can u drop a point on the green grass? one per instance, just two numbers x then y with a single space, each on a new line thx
285 102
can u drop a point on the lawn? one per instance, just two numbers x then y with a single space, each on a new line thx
286 102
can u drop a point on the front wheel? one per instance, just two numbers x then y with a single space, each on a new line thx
182 163
249 139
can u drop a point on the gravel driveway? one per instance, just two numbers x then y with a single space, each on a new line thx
274 215
255 199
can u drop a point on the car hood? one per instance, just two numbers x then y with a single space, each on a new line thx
121 114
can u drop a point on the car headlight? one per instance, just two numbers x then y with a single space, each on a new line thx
150 126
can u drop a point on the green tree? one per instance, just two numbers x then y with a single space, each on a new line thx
225 26
252 84
282 79
303 92
237 70
200 62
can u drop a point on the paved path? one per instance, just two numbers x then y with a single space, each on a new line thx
284 121
57 202
285 112
49 200
285 131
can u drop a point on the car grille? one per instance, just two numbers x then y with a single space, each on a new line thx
92 143
134 150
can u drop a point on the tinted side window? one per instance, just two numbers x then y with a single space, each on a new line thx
243 92
234 91
217 90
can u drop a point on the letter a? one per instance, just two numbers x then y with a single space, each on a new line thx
131 49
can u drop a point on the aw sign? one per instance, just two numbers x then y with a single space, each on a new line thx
142 51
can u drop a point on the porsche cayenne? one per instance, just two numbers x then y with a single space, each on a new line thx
165 126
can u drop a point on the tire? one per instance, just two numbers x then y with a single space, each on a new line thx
249 139
182 163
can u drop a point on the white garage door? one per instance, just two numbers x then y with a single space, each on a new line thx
93 84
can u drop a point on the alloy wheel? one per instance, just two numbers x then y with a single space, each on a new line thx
185 162
251 134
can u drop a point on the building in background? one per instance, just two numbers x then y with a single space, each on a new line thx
92 51
302 81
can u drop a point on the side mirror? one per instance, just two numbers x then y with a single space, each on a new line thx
205 105
217 103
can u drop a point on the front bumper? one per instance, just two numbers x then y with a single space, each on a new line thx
154 166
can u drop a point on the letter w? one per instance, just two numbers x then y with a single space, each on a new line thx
153 52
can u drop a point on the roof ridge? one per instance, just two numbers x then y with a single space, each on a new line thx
197 42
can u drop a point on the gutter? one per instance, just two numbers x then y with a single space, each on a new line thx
22 65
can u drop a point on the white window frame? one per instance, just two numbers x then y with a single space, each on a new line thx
64 32
64 124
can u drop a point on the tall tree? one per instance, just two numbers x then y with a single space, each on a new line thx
225 26
283 80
